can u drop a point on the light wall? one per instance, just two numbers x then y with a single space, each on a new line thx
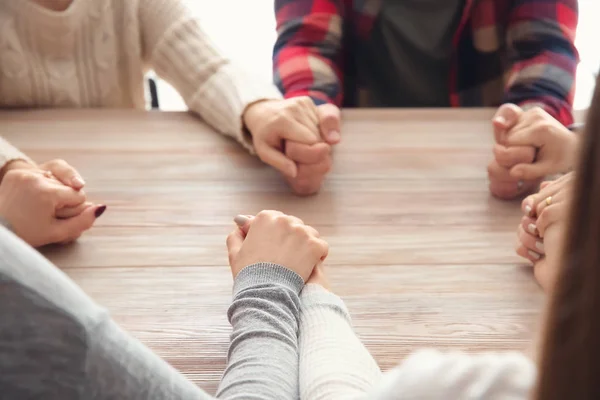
244 30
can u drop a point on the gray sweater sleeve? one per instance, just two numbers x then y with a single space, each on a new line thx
263 355
56 343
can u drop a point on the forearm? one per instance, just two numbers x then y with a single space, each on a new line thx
307 55
262 361
334 364
10 154
211 85
543 57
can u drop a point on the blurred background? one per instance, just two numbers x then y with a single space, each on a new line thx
245 31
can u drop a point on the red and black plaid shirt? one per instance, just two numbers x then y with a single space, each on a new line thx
505 51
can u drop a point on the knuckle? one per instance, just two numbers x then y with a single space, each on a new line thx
59 162
265 215
538 111
282 221
300 231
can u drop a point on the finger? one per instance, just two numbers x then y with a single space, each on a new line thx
277 160
330 123
525 134
526 253
67 230
504 190
320 248
508 157
310 177
554 199
297 132
530 203
545 184
243 222
65 196
550 215
235 240
505 119
531 242
318 169
529 225
530 172
307 154
65 173
497 173
69 212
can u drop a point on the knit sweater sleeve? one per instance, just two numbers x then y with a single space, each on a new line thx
334 364
211 85
10 153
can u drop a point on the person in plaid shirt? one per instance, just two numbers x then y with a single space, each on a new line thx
511 54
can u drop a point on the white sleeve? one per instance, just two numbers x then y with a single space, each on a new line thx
334 364
432 375
181 53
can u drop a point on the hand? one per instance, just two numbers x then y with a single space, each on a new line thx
318 277
314 161
271 122
274 237
551 203
502 183
29 200
58 169
557 146
547 269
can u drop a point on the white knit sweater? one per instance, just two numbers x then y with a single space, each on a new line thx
96 53
334 364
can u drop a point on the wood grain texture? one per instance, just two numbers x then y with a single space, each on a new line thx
421 253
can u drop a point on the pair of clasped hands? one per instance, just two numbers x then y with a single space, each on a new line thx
531 145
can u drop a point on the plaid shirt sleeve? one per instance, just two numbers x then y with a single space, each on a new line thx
308 51
543 57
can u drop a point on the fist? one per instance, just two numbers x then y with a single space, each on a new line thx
273 237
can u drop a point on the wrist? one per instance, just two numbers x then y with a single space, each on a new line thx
15 164
267 273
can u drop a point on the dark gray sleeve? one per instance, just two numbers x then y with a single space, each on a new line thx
263 354
57 344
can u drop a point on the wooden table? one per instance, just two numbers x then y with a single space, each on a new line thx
421 253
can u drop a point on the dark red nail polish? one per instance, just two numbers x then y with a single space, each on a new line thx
99 211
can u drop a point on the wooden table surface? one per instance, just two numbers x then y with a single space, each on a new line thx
421 253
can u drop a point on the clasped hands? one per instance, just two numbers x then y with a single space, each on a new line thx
45 203
295 137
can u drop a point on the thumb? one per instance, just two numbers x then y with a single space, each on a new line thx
277 160
529 172
243 222
71 228
505 119
235 240
330 123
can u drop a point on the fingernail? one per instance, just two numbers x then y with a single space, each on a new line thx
528 209
241 220
532 229
500 120
78 181
533 254
99 211
334 136
540 246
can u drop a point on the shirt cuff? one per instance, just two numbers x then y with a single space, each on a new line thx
315 296
261 274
